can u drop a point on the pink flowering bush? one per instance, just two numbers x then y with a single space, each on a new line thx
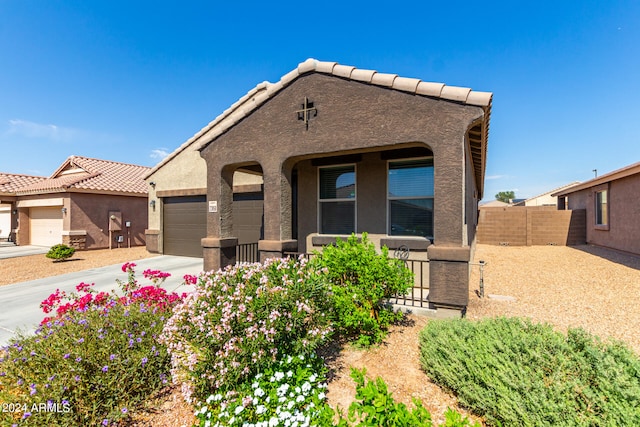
95 356
241 320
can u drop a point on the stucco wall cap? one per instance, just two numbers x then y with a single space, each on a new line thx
343 71
307 66
429 89
383 79
455 93
482 99
406 84
362 75
325 67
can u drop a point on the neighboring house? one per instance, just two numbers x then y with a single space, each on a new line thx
612 204
86 203
343 150
9 184
545 199
494 204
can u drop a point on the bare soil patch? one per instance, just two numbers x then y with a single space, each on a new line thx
32 267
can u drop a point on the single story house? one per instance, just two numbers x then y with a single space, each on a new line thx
86 203
9 184
544 199
612 204
341 150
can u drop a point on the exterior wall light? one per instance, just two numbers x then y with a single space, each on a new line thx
152 204
153 184
64 211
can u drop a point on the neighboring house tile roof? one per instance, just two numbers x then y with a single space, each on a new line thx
92 175
624 172
265 90
10 183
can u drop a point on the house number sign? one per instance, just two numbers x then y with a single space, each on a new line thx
213 206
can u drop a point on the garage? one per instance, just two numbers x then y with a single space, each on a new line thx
45 224
5 221
185 224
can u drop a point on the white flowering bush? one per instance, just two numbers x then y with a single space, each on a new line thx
241 320
290 393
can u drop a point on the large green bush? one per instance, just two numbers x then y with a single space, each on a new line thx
60 252
240 321
362 282
515 372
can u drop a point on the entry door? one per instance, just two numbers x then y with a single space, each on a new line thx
45 226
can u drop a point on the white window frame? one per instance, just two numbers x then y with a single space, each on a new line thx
354 199
406 197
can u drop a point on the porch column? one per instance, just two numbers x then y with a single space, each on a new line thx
277 212
449 256
448 277
219 247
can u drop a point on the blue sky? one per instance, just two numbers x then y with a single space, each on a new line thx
132 80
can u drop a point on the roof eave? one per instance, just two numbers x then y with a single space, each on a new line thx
624 172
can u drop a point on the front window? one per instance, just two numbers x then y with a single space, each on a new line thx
337 200
410 198
602 217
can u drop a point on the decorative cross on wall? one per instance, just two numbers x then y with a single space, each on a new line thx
305 113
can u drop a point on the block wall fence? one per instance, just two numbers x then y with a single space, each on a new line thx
531 226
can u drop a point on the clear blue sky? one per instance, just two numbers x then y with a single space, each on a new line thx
132 80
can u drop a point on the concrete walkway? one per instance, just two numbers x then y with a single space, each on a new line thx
12 251
20 302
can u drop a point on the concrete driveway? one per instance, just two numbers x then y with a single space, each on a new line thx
10 251
20 302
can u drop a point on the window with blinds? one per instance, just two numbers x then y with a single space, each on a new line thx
337 199
410 198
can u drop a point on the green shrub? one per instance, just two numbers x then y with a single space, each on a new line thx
239 321
375 407
90 363
515 372
363 280
60 252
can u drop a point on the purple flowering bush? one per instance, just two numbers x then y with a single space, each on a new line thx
241 320
88 365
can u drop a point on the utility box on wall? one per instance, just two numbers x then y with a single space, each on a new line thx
115 220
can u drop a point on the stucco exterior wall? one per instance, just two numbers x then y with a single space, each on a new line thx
352 118
185 171
623 230
89 213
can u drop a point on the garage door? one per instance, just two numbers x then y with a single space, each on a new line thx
185 224
45 226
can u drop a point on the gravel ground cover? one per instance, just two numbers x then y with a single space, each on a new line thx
583 286
580 286
32 267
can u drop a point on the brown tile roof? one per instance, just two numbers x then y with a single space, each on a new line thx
92 175
265 90
624 172
10 183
